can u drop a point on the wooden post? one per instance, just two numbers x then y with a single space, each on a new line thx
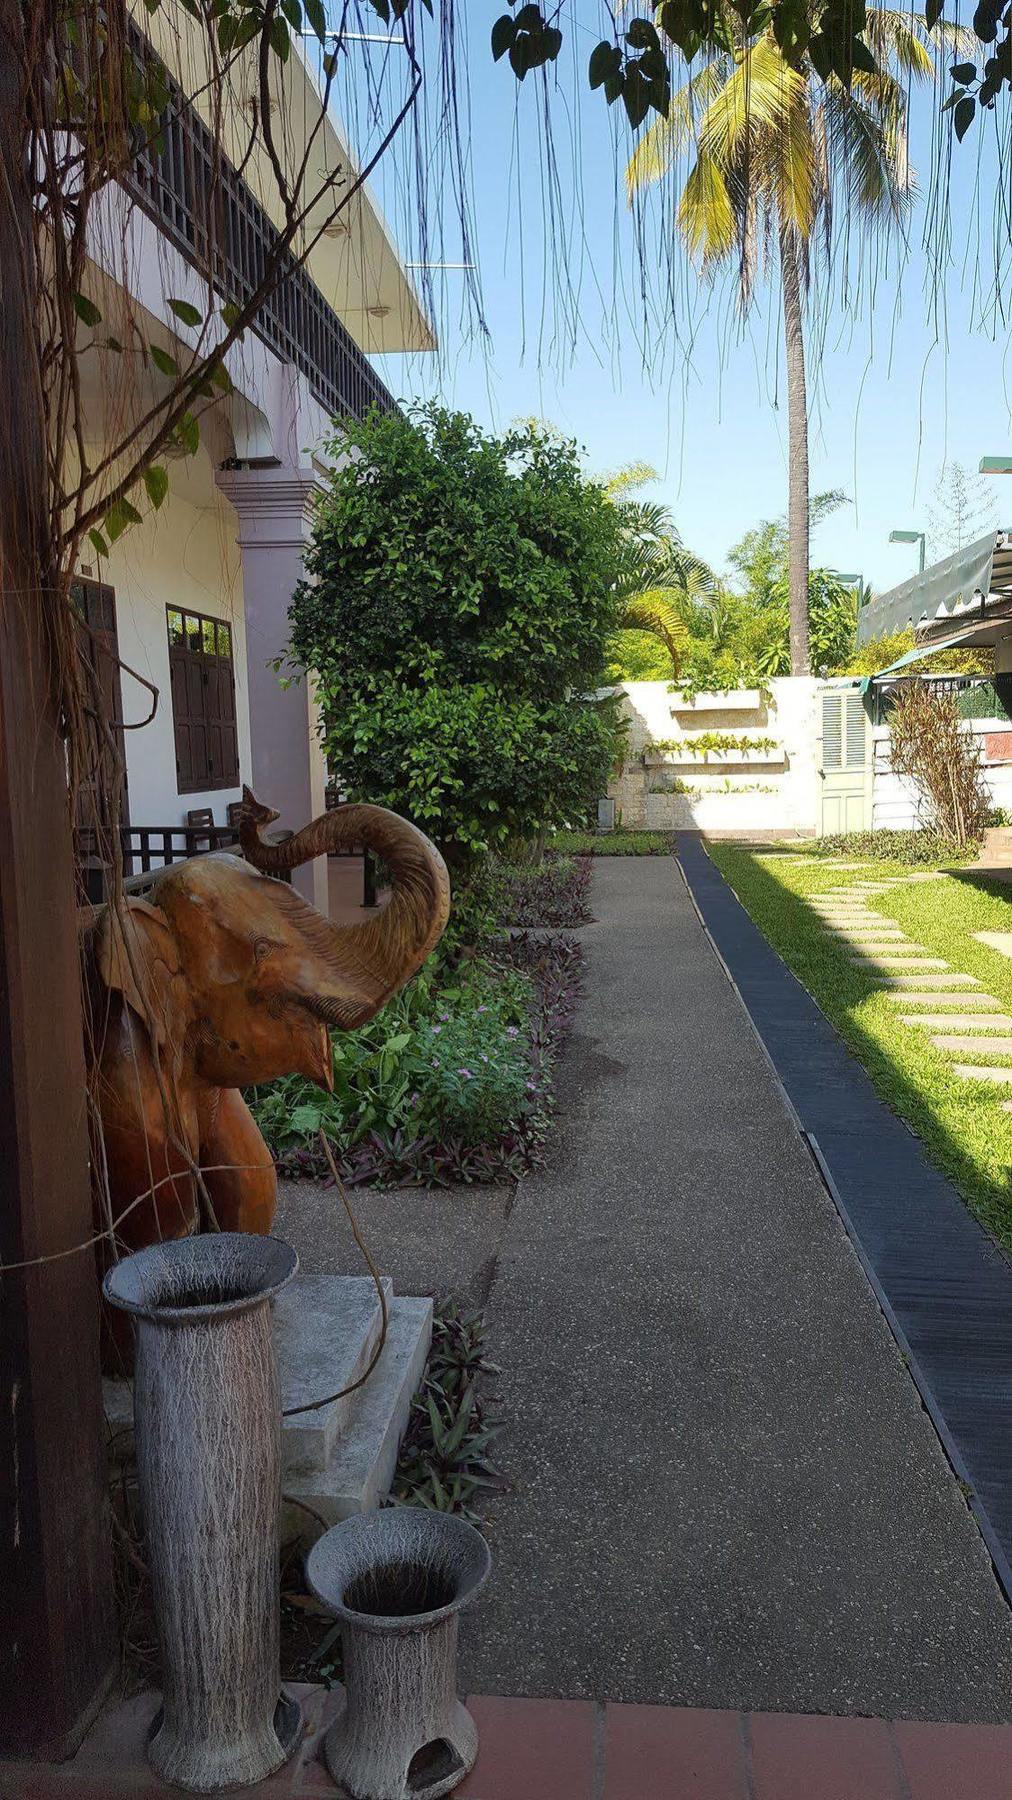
55 1567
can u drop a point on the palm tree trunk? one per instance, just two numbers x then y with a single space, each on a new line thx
797 452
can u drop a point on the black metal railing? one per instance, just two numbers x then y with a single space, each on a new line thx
221 229
147 849
977 696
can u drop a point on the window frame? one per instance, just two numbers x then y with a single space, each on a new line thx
193 652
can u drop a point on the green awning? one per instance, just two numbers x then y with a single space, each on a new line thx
917 654
946 584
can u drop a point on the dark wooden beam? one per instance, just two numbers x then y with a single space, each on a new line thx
57 1641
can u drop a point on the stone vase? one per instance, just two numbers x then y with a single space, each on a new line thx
207 1421
398 1581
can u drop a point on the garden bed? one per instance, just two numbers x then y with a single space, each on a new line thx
452 1082
614 843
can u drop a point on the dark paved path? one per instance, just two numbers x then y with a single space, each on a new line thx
727 1492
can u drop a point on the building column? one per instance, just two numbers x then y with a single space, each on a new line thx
288 770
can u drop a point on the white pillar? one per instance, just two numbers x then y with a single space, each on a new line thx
288 772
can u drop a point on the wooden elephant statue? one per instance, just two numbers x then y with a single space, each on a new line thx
222 977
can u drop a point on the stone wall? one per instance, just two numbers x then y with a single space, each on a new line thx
741 791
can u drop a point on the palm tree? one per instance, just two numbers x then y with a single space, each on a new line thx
659 580
773 144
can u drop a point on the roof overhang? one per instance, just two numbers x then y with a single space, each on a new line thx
357 267
970 592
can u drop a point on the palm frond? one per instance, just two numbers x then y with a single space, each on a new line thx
665 138
654 610
900 37
706 215
754 101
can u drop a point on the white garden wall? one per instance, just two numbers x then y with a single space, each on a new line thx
752 789
896 804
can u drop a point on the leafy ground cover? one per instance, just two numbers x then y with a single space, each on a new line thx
553 891
921 848
451 1082
960 1121
613 843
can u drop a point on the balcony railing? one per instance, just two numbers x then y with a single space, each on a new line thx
224 232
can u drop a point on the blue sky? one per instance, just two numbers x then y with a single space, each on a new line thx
908 375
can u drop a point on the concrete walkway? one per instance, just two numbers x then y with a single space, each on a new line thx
727 1494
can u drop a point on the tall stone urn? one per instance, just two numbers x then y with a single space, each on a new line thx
207 1419
398 1581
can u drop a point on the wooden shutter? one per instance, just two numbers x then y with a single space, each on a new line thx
832 731
203 701
857 735
95 605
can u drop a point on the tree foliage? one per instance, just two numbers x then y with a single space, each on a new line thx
459 599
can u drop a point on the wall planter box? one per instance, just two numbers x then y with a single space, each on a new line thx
716 760
737 700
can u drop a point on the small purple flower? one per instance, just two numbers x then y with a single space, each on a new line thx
484 1058
532 1087
512 1031
436 1062
481 1009
466 1073
444 1017
436 1029
414 1100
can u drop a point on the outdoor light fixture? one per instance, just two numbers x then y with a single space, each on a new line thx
910 537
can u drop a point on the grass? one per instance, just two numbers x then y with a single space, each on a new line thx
960 1121
612 843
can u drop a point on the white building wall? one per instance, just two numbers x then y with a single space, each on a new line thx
183 555
753 790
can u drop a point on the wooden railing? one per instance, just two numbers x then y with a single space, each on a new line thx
203 206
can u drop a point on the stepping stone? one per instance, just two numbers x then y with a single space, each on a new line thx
868 938
945 980
887 946
959 1021
867 946
969 1072
996 940
948 998
892 964
993 1046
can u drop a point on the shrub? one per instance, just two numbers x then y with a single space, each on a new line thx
928 745
890 846
456 611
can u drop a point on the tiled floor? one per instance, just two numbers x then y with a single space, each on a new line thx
583 1750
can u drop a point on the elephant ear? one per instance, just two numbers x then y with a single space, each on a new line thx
136 956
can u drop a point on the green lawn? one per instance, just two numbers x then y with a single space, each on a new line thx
961 1122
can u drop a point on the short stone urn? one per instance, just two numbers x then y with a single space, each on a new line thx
207 1423
398 1581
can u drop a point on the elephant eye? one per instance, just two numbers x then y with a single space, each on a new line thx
262 948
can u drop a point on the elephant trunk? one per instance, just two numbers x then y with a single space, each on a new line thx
372 960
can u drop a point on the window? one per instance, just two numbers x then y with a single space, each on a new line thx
203 701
